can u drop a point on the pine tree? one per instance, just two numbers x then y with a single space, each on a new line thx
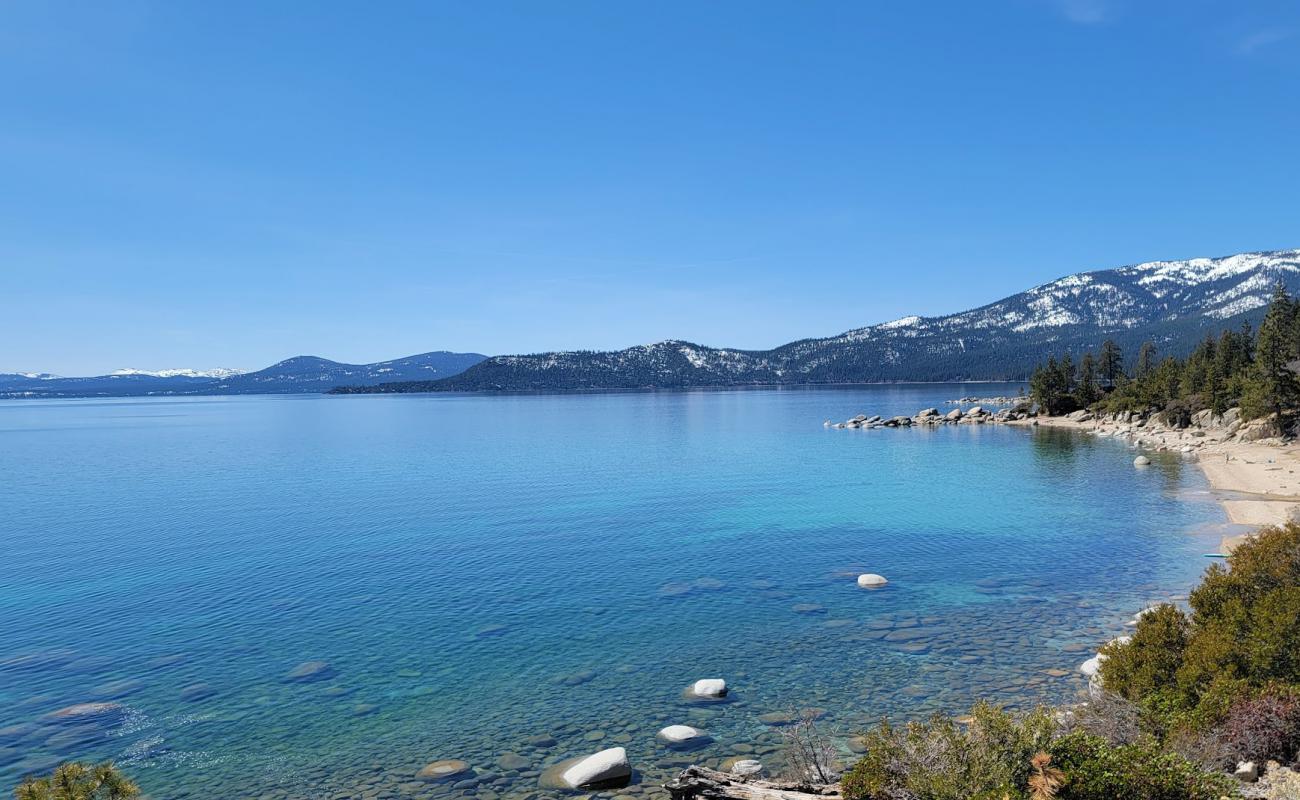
1146 359
1272 387
1087 392
1112 362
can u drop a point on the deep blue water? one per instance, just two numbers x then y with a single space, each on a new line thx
480 570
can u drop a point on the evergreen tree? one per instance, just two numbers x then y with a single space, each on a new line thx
1087 392
1272 386
1112 362
1146 359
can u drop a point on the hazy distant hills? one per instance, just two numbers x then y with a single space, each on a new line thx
1173 303
293 375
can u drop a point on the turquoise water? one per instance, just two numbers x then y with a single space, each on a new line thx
479 571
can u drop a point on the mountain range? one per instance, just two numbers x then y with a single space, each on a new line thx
1171 303
293 375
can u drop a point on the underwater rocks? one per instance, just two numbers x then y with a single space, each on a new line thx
683 736
444 770
808 608
513 762
197 691
103 714
309 671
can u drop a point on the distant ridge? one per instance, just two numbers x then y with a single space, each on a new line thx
1173 303
301 374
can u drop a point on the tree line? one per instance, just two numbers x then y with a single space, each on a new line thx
1253 370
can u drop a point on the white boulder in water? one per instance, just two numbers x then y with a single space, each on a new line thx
599 768
709 687
1141 461
871 580
681 734
1092 666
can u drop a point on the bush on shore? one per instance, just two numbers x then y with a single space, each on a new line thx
1000 757
989 758
1187 697
1241 642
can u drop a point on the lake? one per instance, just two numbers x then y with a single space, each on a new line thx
540 577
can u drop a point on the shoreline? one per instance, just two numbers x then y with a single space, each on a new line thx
1257 483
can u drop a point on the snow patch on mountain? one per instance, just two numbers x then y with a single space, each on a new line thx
220 372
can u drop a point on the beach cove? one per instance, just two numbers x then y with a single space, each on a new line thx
315 597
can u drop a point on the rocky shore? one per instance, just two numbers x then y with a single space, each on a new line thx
977 415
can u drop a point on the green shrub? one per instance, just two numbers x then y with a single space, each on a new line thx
1243 633
939 760
1151 659
1096 770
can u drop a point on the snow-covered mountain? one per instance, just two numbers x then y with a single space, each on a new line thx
177 373
1172 303
299 374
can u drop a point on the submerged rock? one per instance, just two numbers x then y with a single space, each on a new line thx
682 735
197 691
513 762
309 671
88 714
444 770
540 740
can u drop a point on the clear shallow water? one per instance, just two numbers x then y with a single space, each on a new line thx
481 570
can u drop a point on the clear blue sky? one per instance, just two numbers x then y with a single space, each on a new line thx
203 184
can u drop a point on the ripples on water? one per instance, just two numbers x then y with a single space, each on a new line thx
480 571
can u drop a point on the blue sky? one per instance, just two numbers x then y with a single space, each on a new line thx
203 184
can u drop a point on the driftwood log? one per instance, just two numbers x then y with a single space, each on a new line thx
699 783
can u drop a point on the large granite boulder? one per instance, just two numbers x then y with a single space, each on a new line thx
605 769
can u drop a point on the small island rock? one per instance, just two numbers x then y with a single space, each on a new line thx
871 580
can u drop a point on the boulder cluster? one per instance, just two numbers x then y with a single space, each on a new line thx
610 768
1187 435
976 415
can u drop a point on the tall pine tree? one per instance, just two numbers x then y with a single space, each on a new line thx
1272 387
